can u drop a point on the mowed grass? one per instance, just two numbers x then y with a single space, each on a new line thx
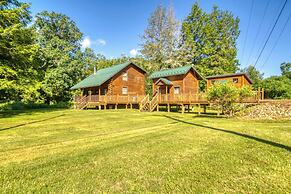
70 151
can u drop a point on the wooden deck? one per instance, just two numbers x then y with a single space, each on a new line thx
145 103
92 101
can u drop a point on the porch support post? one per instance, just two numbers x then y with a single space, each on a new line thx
183 108
99 93
166 93
169 107
193 108
158 108
115 106
199 109
130 105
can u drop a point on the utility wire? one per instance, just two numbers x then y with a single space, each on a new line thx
271 32
248 26
277 40
258 32
266 34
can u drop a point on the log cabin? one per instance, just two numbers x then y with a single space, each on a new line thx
238 79
177 86
118 84
181 80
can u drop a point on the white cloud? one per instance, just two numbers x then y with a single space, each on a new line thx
101 42
87 42
133 52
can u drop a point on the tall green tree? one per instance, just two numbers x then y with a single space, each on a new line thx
18 52
254 74
286 69
160 39
208 41
59 39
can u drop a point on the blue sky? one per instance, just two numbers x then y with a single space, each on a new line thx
113 27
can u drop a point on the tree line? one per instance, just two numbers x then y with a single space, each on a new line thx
41 59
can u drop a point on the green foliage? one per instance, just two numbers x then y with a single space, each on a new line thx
209 41
277 87
18 51
63 61
255 75
286 69
31 105
225 95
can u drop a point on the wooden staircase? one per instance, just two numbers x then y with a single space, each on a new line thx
144 105
147 105
154 102
82 103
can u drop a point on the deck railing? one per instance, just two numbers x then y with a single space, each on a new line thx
182 98
110 99
159 98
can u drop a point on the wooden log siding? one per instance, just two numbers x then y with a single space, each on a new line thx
242 80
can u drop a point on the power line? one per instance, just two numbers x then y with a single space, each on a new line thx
266 34
248 26
259 30
277 40
271 32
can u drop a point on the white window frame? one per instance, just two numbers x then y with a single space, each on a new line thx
125 76
123 91
175 91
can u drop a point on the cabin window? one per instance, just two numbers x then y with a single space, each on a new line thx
176 90
124 76
222 81
235 80
124 90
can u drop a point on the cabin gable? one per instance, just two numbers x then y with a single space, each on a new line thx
180 84
132 78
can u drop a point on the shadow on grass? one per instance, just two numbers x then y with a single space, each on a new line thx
288 148
32 122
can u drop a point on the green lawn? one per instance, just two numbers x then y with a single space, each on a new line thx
69 151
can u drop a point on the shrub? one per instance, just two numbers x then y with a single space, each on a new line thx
26 106
224 97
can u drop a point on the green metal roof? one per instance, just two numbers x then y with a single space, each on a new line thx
166 81
101 76
175 71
